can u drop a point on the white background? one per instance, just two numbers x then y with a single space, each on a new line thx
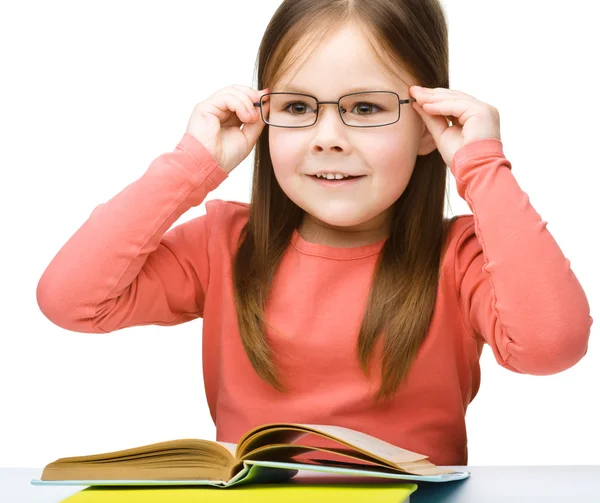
92 92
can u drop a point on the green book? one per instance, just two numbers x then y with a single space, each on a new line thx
267 453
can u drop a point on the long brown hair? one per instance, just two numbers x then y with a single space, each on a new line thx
405 281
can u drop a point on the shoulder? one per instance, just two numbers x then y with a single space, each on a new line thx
463 249
227 218
460 240
461 227
227 210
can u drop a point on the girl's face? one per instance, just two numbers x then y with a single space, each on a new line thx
357 213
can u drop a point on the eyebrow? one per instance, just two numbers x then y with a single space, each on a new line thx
348 91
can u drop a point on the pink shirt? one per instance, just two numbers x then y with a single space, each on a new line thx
504 282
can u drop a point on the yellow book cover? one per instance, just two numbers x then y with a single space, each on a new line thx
264 493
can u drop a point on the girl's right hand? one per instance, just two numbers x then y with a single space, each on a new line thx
216 121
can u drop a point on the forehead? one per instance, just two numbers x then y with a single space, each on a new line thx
345 61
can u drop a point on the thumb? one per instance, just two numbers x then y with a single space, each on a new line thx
436 124
252 130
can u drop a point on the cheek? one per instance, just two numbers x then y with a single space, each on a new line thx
390 155
285 152
391 178
392 163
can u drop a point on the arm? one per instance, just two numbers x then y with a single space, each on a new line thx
122 268
515 287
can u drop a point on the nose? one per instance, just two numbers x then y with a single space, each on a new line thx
328 111
330 129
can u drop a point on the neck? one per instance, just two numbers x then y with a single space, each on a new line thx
316 231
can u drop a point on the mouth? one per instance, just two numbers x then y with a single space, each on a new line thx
349 180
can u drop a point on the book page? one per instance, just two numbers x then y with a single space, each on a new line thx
367 443
269 434
229 446
287 452
287 433
164 447
169 460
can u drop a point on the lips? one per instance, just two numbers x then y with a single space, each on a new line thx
345 178
337 184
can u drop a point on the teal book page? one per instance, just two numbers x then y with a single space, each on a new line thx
445 477
258 472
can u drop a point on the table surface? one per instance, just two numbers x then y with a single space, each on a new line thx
487 484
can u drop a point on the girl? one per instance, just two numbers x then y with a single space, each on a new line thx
350 302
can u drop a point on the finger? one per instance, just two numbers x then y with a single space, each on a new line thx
431 116
247 94
436 90
454 108
429 97
425 95
227 104
257 97
434 123
253 93
263 100
248 114
251 131
452 92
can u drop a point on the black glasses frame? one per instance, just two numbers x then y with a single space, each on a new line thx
400 102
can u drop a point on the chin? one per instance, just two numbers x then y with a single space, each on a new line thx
341 217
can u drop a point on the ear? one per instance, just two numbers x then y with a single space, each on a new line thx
427 143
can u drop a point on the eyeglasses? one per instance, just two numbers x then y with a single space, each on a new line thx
364 109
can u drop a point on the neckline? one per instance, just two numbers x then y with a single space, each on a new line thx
327 251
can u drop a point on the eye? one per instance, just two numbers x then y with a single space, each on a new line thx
364 107
297 106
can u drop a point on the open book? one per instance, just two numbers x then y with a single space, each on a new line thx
264 454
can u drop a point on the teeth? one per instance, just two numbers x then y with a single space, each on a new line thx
331 176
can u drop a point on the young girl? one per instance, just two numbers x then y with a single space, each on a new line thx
350 302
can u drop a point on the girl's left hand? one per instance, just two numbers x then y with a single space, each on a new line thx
471 119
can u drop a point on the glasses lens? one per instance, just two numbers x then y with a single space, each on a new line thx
289 110
370 109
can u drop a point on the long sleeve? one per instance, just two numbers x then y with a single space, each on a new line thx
515 287
122 268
